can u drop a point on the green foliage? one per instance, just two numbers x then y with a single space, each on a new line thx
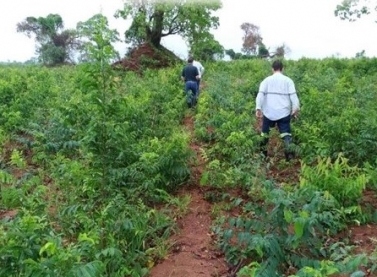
342 181
225 119
152 20
263 51
327 268
337 114
352 10
284 228
52 55
98 47
87 153
289 230
205 48
59 147
98 152
55 45
11 197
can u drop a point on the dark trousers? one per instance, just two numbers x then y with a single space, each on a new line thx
191 91
198 82
284 127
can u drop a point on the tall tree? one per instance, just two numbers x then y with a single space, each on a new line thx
251 38
154 19
352 10
54 44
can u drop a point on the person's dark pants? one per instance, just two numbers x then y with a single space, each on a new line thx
284 127
191 90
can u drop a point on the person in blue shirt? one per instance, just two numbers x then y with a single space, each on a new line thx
190 75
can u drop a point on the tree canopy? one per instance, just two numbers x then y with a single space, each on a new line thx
352 10
251 38
55 45
152 20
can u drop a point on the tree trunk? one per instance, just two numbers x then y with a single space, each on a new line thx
155 34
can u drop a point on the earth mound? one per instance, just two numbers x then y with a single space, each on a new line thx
146 56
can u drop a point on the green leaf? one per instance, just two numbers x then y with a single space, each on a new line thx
299 228
358 274
204 178
288 216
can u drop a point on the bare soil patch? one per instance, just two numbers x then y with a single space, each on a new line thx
146 56
194 252
8 214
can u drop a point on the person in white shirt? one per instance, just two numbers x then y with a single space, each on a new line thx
277 102
200 68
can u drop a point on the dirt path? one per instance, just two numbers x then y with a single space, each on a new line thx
194 253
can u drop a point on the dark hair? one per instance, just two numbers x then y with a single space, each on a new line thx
277 65
190 60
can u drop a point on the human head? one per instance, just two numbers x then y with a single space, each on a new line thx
190 59
277 65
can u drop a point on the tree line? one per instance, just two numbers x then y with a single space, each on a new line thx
153 20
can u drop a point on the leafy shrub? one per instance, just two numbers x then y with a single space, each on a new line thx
344 182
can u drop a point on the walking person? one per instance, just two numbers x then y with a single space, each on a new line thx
190 75
277 102
200 68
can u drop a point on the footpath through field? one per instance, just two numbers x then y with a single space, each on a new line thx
193 253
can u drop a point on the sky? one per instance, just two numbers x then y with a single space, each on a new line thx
308 28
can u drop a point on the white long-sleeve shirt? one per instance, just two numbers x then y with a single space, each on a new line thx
200 68
277 97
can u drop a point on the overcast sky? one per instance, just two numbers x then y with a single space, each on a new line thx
309 28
